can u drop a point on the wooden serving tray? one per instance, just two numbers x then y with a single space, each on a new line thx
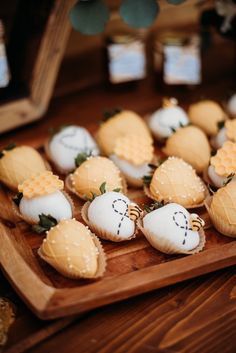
134 267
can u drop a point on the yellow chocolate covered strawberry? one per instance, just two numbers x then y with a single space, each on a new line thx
123 123
190 144
91 174
206 115
134 149
176 181
19 164
73 250
222 209
230 126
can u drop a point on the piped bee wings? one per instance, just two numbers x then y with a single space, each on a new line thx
196 222
134 211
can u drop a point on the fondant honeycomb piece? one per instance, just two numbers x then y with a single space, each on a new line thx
224 161
41 184
134 149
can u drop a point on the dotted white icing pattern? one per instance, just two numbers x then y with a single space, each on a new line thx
190 191
66 257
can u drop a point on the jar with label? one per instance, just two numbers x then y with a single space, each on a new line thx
126 56
178 58
4 70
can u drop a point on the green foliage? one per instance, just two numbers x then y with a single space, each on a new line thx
108 114
89 17
54 130
17 199
45 223
228 179
81 158
181 124
103 188
152 166
93 196
213 153
139 13
212 189
154 206
9 147
220 124
147 179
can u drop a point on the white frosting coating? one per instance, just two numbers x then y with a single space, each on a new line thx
109 212
217 180
166 223
219 139
232 105
67 144
164 119
55 205
137 172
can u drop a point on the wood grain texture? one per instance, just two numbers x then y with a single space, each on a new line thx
16 113
195 316
27 329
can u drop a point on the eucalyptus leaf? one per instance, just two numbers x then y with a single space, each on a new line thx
175 2
139 13
89 17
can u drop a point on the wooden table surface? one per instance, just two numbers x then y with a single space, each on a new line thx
195 316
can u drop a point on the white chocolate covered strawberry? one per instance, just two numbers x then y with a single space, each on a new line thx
64 147
43 194
172 229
